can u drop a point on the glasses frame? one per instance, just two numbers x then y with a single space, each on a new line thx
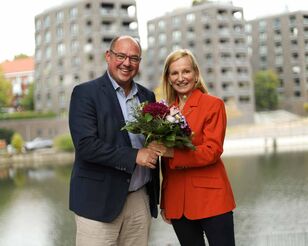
121 57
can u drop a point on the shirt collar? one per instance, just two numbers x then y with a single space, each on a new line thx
116 87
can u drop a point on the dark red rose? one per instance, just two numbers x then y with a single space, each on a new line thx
156 109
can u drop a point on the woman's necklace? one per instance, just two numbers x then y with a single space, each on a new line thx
182 102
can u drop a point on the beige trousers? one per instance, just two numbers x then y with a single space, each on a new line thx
130 228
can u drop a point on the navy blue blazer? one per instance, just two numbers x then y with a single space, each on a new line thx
104 158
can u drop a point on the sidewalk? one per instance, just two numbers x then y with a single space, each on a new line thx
272 131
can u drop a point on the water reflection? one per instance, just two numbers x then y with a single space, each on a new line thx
271 193
33 209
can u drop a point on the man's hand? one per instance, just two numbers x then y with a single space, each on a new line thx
147 157
160 149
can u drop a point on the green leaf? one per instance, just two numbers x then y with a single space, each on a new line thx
148 117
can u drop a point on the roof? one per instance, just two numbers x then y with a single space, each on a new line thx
18 65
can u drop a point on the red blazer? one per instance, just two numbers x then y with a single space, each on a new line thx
195 183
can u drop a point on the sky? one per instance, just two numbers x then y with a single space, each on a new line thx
17 18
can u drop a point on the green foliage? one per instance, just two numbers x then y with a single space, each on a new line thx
64 142
6 134
26 115
17 142
20 56
266 95
27 102
306 107
5 91
198 2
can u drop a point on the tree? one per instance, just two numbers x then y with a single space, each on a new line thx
198 2
27 102
5 91
6 134
266 95
17 142
20 56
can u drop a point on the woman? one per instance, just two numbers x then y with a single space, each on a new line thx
196 194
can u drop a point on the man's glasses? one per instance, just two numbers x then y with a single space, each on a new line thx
121 57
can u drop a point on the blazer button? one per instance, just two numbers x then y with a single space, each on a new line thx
127 180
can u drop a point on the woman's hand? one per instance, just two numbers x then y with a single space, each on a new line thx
162 213
160 149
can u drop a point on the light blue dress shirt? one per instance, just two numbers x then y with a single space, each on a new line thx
141 175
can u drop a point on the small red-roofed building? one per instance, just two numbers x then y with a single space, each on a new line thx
20 72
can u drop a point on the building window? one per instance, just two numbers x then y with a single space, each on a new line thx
161 25
292 20
163 52
38 39
176 21
244 99
38 25
47 22
151 41
107 8
263 50
238 28
162 38
176 36
293 32
48 53
238 15
75 61
278 60
59 32
47 37
262 26
151 27
59 17
61 49
74 29
262 37
38 55
276 23
190 18
73 13
74 45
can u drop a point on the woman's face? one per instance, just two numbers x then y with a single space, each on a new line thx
182 76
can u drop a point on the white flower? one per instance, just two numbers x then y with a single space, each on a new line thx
174 110
170 118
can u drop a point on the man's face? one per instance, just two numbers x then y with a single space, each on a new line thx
123 61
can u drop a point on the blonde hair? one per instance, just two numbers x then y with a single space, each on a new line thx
169 92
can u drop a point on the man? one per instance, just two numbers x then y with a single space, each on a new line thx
115 182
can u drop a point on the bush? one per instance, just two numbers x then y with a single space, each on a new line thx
6 134
17 142
64 142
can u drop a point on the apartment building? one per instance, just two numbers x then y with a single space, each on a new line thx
70 42
215 33
280 43
20 72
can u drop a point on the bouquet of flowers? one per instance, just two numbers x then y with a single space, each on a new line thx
157 122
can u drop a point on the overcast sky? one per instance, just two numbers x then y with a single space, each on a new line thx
17 18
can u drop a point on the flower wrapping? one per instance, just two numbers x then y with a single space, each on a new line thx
157 122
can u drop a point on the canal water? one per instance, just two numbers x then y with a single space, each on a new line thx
271 193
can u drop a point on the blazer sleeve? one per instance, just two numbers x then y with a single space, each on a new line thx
213 134
83 121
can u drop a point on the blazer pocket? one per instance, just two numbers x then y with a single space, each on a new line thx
207 182
90 174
